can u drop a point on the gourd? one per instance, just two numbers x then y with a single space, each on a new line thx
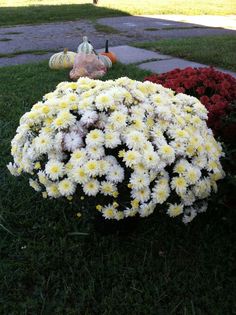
109 54
105 60
85 47
62 60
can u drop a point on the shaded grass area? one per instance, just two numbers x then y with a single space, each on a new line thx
54 13
212 50
48 266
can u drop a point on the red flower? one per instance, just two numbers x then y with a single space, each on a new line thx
180 90
201 90
216 98
204 99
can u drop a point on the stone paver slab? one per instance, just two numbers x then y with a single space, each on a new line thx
168 65
127 54
24 59
228 22
163 66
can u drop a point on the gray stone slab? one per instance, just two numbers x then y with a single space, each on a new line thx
127 54
163 66
24 59
124 23
168 65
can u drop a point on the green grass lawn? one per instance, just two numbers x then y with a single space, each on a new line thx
40 11
212 50
48 266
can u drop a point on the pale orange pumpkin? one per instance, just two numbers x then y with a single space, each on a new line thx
109 54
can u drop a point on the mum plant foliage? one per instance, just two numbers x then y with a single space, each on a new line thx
125 146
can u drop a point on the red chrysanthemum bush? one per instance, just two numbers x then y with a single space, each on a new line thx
215 89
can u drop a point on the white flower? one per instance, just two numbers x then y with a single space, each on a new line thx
139 180
79 128
95 152
72 141
163 112
130 212
91 188
34 184
135 139
160 193
188 198
115 174
179 184
117 119
131 158
63 120
66 187
175 210
192 175
43 143
179 147
104 101
107 188
142 194
13 169
95 137
54 169
109 212
151 159
146 209
167 153
92 167
104 167
112 139
43 179
89 118
119 215
78 157
52 190
202 188
79 175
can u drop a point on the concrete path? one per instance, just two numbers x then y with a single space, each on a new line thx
160 27
226 22
155 62
55 36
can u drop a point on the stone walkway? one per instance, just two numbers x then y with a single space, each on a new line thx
25 39
226 22
154 61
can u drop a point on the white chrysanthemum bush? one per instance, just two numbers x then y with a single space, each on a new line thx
128 147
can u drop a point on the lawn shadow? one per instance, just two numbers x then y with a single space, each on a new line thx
53 13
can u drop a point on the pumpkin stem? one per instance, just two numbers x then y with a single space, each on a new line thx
65 50
106 47
85 39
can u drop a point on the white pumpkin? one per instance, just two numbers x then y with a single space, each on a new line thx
62 60
105 60
85 47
